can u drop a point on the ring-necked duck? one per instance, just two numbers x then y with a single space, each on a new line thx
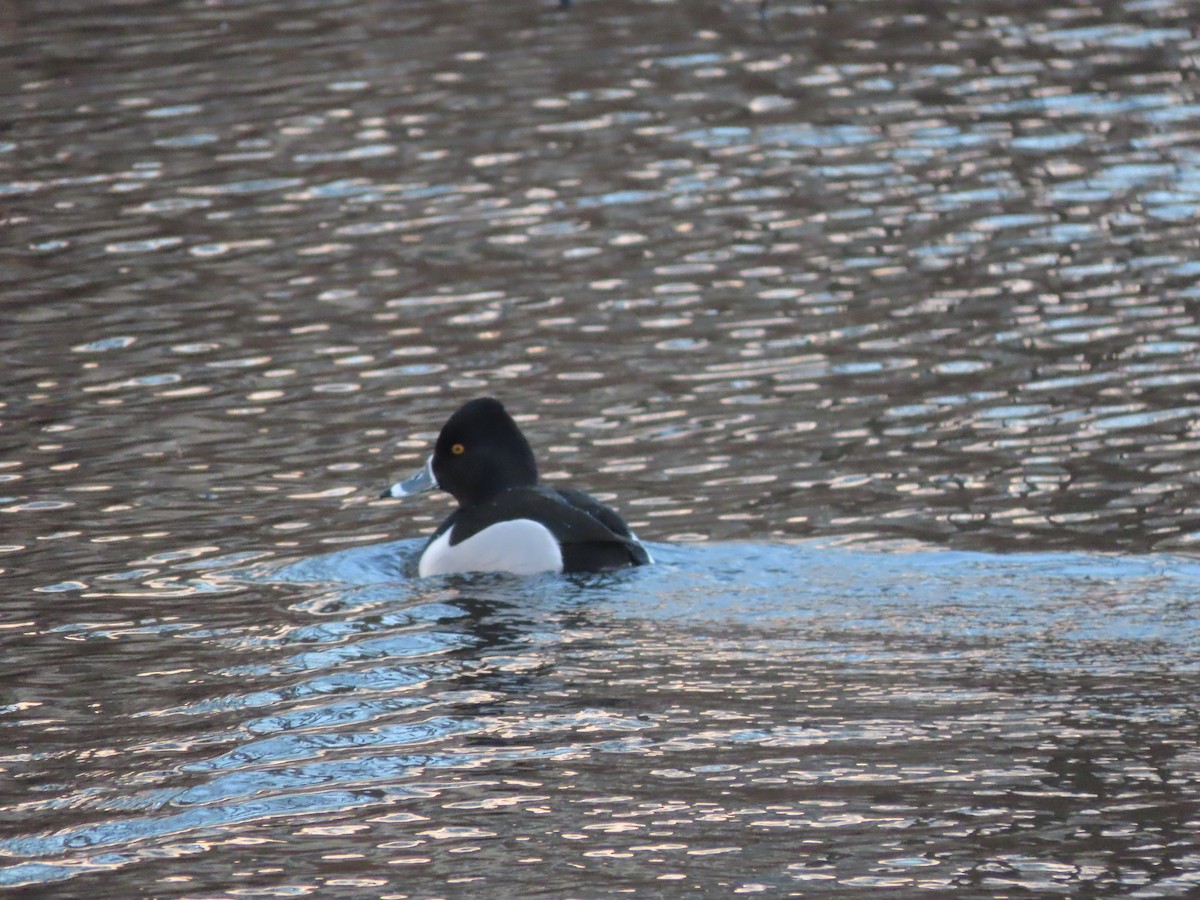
505 521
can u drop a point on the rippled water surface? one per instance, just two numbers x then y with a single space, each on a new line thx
878 320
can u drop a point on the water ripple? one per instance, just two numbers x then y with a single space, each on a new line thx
846 270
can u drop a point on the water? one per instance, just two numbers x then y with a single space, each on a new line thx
738 717
878 322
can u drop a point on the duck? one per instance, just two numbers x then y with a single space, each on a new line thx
506 521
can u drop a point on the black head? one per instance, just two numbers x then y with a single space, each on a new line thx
482 452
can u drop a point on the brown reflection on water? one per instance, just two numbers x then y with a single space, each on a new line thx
860 270
854 270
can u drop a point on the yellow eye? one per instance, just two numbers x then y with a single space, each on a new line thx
458 449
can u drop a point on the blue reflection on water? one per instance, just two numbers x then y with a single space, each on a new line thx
907 591
446 657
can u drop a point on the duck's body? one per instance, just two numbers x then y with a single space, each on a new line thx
506 521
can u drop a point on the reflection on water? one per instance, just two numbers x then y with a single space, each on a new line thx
867 270
937 282
738 715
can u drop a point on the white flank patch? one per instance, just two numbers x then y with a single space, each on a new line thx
519 546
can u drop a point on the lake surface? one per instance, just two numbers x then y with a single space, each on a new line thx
877 321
